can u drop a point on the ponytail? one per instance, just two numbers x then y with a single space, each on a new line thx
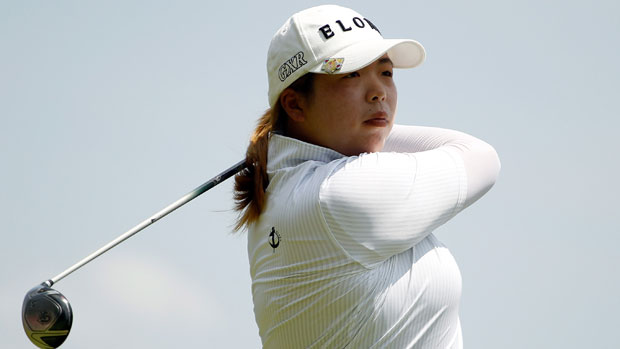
251 182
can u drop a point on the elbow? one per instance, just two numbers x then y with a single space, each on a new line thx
494 164
483 175
490 167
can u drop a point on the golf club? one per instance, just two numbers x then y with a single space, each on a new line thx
47 315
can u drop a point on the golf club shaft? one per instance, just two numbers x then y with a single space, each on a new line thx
157 216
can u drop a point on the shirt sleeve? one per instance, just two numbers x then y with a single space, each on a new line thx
380 204
480 159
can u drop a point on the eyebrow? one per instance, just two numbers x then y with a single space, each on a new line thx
386 60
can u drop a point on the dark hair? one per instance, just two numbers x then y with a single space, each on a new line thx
251 183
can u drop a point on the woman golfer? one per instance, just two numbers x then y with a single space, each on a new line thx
340 203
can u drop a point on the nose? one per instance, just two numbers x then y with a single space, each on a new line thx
377 92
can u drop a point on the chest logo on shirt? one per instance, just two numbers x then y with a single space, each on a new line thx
274 239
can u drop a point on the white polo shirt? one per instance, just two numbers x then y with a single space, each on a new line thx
343 255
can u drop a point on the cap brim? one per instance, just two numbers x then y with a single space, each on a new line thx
404 53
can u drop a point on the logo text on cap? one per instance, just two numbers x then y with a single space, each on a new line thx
291 65
328 33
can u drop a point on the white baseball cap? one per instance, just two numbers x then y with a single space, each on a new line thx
331 39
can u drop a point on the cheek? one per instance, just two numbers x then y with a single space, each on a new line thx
393 99
393 91
339 105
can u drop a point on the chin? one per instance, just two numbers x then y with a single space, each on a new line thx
368 148
369 143
376 144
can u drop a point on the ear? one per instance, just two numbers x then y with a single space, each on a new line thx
292 103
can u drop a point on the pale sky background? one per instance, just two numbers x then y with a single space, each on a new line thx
111 110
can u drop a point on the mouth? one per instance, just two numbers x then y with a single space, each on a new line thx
378 119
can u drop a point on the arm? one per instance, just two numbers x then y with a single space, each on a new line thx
480 160
380 204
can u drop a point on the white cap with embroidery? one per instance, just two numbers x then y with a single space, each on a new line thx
331 39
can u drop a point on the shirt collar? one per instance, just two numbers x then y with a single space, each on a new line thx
289 152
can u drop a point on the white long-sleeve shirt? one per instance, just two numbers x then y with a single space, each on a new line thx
343 254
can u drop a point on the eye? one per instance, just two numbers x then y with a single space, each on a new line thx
352 75
388 73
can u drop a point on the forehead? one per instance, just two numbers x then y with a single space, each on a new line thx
336 80
384 60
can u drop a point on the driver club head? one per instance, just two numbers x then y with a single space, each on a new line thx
46 316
